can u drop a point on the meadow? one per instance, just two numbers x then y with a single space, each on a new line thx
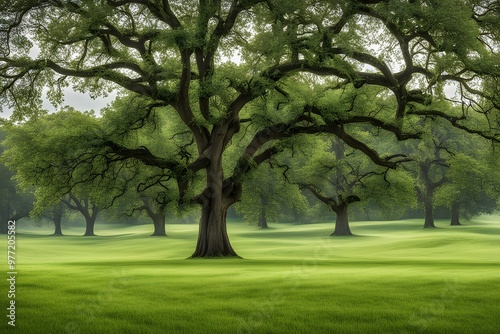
392 277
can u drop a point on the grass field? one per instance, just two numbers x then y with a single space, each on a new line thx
393 277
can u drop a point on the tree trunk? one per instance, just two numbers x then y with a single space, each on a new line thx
157 216
159 225
57 225
56 215
455 215
89 226
342 221
428 210
213 240
262 219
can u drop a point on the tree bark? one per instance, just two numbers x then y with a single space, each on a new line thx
342 221
157 216
89 226
213 240
428 196
57 224
428 212
262 219
455 215
90 219
159 225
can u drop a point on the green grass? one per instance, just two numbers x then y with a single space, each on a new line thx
392 277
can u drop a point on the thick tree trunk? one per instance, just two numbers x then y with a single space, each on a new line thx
159 225
342 221
428 211
57 225
57 215
455 215
89 226
429 216
213 240
157 216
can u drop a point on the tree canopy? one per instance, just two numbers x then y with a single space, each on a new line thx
260 71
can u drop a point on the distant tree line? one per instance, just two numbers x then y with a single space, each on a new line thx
311 180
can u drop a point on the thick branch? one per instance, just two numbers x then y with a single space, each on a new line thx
383 125
142 154
163 13
316 192
453 120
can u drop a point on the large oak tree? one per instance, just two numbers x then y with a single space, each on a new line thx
177 56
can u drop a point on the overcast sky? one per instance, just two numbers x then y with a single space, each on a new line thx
79 101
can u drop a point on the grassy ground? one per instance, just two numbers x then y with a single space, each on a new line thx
393 277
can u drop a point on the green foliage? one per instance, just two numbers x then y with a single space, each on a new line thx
340 173
267 194
473 184
14 202
392 197
57 154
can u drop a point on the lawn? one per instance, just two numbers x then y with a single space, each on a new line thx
392 277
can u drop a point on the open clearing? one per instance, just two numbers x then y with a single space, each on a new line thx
392 277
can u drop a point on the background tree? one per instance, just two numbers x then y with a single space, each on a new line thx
176 56
339 176
266 194
14 203
431 161
473 186
149 189
54 213
447 163
87 208
49 138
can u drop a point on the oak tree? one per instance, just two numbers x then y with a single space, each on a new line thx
205 63
14 202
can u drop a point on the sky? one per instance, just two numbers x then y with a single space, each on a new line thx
79 101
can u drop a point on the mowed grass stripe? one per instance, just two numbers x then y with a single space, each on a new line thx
393 277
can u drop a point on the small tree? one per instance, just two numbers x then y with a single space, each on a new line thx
473 186
346 177
55 214
87 208
49 138
267 193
